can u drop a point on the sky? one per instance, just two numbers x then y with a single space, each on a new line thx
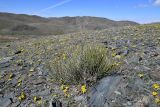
142 11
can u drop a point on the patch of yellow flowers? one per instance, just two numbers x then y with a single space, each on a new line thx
114 54
156 86
64 56
155 93
32 69
141 75
11 76
19 82
22 96
65 89
157 101
83 89
118 57
37 100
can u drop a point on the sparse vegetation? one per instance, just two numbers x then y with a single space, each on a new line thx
62 67
86 63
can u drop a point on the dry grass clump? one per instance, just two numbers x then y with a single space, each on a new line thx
86 63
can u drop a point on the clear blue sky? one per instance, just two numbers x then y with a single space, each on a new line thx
142 11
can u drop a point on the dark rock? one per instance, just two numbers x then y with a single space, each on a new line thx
8 45
18 52
55 103
140 59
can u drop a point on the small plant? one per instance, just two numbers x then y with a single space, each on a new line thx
87 63
83 89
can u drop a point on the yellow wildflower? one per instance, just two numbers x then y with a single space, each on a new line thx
133 46
156 86
112 48
114 54
11 76
118 56
39 102
19 82
30 74
157 100
62 87
154 93
36 98
54 95
22 96
83 89
125 47
141 75
65 90
67 94
32 69
22 50
64 56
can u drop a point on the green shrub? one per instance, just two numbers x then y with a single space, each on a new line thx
86 63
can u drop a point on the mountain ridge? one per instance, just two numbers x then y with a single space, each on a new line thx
23 24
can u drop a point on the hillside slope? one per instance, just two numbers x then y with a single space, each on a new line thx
28 77
21 24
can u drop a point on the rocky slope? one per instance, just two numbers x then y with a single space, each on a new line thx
25 78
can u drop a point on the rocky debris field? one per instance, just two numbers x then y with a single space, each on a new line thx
25 78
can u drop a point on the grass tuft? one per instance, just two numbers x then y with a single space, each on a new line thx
85 64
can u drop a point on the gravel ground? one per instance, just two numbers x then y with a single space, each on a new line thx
25 79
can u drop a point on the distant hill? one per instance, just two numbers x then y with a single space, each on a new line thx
22 24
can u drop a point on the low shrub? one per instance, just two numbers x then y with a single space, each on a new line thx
87 63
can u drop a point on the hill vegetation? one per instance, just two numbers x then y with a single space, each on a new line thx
116 67
21 24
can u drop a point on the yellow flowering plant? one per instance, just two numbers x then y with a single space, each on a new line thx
156 86
141 75
154 93
83 89
37 100
157 101
22 96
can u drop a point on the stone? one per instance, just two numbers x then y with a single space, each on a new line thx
18 52
79 98
42 93
143 103
10 95
5 60
117 92
16 104
55 103
126 52
129 103
104 89
5 102
155 75
38 81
